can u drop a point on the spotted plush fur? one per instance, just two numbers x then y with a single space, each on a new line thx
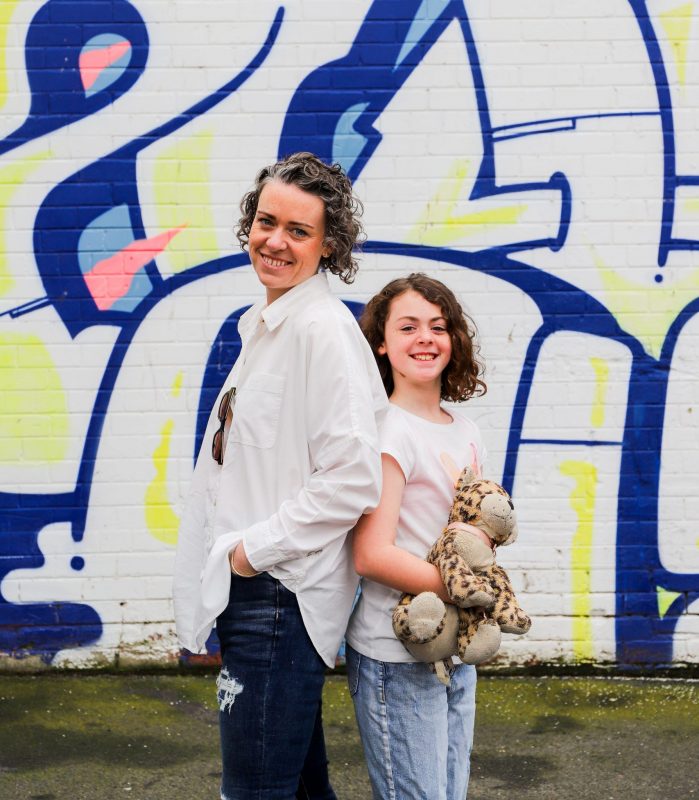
480 589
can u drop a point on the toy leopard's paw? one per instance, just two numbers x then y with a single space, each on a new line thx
511 619
419 619
480 639
426 617
463 587
506 612
469 593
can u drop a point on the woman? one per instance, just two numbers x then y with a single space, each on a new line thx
290 461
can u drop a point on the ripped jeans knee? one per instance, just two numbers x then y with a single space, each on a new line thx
227 689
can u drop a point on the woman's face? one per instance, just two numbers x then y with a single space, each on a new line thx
286 237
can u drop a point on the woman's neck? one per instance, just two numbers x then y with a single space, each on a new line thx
422 401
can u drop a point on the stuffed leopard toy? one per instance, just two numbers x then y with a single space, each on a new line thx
484 601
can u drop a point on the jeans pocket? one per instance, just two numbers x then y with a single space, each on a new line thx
354 663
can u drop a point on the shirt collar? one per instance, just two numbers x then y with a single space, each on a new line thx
297 297
275 313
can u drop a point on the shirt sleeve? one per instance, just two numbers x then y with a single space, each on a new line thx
396 442
192 546
343 445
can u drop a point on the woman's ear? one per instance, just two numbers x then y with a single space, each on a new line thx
381 349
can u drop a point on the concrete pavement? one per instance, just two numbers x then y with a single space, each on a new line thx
148 737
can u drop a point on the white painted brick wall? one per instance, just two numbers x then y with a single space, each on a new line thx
591 416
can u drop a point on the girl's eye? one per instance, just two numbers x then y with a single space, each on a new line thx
407 328
439 329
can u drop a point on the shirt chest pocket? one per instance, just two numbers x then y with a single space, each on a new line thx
258 404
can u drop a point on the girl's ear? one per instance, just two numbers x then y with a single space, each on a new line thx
381 349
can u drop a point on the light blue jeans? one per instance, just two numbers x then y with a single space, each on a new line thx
417 733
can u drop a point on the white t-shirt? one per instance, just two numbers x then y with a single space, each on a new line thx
431 457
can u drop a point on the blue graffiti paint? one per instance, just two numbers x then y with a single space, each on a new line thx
59 32
336 106
38 628
106 187
104 196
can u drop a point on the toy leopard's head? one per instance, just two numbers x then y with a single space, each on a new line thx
486 505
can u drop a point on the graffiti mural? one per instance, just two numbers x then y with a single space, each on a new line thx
540 161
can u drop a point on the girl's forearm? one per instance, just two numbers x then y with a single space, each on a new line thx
392 566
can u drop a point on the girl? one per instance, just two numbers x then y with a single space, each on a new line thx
416 732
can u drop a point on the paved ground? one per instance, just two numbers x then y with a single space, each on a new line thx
150 737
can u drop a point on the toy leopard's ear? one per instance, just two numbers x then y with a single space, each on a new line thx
467 476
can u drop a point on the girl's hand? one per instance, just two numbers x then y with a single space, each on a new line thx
240 565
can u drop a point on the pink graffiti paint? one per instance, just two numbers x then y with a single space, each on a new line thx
93 62
111 278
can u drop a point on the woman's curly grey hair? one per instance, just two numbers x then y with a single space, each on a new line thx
343 229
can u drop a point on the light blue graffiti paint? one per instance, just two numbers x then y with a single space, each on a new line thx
429 11
348 143
102 61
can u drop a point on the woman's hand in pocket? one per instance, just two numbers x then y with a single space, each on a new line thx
240 565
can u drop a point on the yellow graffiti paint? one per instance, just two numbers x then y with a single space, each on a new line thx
12 177
646 311
34 424
691 205
665 599
177 384
438 226
601 369
182 191
7 9
677 23
161 520
582 501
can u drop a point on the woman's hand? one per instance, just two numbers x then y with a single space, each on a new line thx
240 565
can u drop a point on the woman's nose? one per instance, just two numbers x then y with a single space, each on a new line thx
276 240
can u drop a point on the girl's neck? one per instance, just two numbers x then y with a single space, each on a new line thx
423 403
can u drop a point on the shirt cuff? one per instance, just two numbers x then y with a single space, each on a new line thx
260 549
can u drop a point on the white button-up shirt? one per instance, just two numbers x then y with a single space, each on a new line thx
301 465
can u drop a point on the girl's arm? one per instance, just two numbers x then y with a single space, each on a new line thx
376 555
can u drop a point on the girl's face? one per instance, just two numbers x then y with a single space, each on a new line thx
416 340
286 237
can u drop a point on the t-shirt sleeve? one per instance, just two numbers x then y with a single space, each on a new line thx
396 442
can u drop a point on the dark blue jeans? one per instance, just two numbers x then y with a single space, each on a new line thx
269 694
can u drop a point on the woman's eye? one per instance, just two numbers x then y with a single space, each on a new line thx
439 329
408 328
265 221
300 232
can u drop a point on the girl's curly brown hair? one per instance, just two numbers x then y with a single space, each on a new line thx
461 378
343 229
